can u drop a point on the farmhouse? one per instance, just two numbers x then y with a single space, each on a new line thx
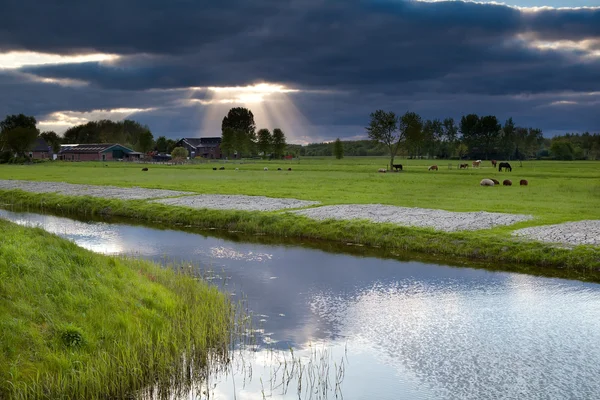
41 150
97 152
207 147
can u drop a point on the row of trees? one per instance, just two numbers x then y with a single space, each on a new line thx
239 136
18 133
476 136
129 133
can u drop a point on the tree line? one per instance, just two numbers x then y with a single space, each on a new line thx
239 136
474 136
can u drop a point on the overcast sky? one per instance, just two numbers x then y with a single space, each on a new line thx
315 68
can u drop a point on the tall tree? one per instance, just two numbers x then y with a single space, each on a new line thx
265 141
145 141
171 145
278 143
12 122
17 121
489 133
449 137
52 139
383 128
507 139
161 144
241 120
450 130
19 139
469 128
338 149
228 141
410 125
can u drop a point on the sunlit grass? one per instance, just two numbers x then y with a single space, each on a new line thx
557 191
75 324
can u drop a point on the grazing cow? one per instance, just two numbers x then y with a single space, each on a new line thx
463 166
495 181
486 182
504 165
214 168
476 163
144 169
523 182
433 168
507 182
289 169
278 169
382 170
222 168
237 169
397 167
494 163
266 169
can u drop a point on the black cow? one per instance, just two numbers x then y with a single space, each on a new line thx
222 168
397 167
504 165
214 168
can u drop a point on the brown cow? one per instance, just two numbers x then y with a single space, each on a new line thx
523 182
507 182
433 168
465 166
495 181
476 163
494 163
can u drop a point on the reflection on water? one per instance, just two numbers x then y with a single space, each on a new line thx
401 329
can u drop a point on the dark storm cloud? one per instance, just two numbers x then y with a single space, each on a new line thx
125 26
439 59
564 24
21 94
350 44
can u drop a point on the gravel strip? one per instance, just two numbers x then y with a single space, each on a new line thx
236 202
569 233
420 217
69 189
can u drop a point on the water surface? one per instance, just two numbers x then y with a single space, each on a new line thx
393 329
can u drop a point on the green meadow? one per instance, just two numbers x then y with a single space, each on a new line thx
557 192
79 325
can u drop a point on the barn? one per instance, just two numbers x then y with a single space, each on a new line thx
97 152
206 147
40 150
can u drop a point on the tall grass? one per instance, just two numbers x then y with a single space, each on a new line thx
75 324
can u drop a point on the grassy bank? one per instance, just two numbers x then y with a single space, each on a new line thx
490 246
75 324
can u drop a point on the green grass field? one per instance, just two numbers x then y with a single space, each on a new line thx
557 191
75 324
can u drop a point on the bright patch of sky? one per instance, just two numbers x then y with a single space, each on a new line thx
18 59
546 3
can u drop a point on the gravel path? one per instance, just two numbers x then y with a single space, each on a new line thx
69 189
236 202
569 233
421 217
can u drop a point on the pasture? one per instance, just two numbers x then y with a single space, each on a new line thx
557 191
